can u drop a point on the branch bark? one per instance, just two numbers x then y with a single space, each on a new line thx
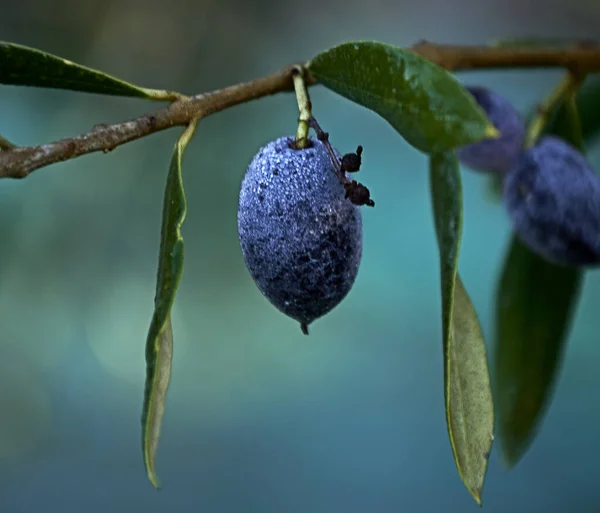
20 161
580 57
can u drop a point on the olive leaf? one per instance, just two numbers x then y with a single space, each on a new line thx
467 391
24 66
565 122
588 105
535 304
575 117
534 308
159 344
421 100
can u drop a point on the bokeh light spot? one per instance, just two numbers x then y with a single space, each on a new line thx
118 325
25 408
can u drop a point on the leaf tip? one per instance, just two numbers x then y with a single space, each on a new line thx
509 457
476 494
491 132
474 490
151 473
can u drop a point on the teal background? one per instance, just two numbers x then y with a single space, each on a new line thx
259 417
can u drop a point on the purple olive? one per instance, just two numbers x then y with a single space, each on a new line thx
495 155
552 196
300 237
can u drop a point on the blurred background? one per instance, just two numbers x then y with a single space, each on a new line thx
259 417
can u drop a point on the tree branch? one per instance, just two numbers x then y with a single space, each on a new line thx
20 161
580 57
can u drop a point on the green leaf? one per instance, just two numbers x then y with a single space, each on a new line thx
467 392
588 106
566 123
24 66
574 118
534 308
421 100
535 304
159 344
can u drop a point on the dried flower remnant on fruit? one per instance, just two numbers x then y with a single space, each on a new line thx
301 239
552 196
495 155
358 194
350 163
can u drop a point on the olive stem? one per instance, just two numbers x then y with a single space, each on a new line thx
356 192
567 87
324 138
304 106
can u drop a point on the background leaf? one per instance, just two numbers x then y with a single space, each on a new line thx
159 344
566 123
421 100
535 304
24 66
467 391
588 106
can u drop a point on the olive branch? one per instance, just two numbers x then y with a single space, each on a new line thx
541 293
19 161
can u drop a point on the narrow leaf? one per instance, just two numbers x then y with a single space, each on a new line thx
566 123
588 106
535 304
159 355
421 100
159 344
24 66
467 392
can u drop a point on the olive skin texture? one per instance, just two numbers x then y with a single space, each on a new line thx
495 155
552 196
301 239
